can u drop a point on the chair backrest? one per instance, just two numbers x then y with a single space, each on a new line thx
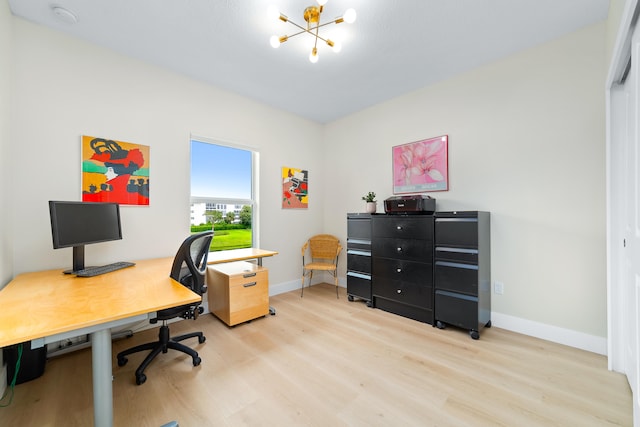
324 246
189 268
190 263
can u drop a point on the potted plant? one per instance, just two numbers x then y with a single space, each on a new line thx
370 198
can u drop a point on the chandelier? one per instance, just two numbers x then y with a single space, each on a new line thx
312 17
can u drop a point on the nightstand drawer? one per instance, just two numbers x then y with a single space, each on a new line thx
238 291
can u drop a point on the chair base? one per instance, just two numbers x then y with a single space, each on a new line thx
164 343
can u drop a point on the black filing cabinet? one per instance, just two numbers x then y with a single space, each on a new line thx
402 249
359 257
462 271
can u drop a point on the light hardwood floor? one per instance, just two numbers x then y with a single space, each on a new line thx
323 361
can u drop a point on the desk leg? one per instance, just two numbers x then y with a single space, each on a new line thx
272 311
102 378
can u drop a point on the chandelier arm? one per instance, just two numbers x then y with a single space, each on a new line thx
315 44
329 23
299 26
312 34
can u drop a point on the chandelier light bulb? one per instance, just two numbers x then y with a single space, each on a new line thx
337 47
275 42
313 56
322 2
273 13
350 16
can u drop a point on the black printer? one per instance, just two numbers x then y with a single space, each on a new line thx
410 204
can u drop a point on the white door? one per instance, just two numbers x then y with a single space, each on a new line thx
625 240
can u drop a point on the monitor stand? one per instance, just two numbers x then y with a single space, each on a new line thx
78 260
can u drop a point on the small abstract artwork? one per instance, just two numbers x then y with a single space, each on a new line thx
114 171
295 188
421 166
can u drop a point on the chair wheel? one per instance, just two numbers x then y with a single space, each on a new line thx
202 339
196 361
122 361
140 379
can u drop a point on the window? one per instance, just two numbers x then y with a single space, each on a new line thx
222 193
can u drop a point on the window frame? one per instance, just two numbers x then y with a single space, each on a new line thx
255 171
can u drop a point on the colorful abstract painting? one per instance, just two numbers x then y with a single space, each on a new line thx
114 171
295 188
421 166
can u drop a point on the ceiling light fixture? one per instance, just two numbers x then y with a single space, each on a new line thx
312 17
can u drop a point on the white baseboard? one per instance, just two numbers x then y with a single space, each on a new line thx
551 333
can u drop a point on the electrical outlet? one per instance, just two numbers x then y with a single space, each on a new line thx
498 288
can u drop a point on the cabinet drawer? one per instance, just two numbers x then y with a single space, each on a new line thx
398 226
238 291
406 271
359 261
457 232
409 249
457 310
359 227
359 285
358 244
464 255
456 277
404 292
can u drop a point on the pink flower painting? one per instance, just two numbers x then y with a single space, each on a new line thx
421 166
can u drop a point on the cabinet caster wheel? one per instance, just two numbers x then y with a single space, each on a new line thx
439 324
122 361
369 304
202 339
196 361
488 325
350 298
474 334
140 379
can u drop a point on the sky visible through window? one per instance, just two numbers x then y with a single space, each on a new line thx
219 171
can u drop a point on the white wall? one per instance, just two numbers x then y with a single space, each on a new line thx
6 39
66 88
6 251
527 143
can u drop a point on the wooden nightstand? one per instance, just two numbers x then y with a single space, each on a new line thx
238 291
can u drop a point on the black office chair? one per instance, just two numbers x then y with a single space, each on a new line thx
189 268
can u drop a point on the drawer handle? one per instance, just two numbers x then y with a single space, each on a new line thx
399 291
399 227
248 285
249 275
398 270
399 249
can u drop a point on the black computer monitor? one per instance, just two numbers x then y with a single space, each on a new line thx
76 224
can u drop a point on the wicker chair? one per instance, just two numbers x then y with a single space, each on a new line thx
323 255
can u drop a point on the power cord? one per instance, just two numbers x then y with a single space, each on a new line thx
13 381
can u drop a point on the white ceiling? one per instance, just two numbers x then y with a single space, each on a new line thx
394 47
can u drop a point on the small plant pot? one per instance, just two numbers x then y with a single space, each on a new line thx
371 207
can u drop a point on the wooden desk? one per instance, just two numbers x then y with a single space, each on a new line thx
49 306
232 255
